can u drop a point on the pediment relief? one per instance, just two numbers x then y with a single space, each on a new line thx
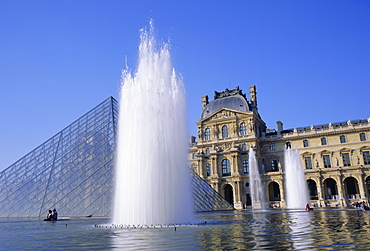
345 150
222 114
324 152
364 148
307 154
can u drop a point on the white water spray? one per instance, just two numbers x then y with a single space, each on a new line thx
296 187
257 193
153 182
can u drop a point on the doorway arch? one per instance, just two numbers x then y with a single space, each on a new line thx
274 191
229 194
351 188
312 188
330 188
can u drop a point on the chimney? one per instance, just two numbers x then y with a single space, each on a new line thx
253 95
204 101
279 127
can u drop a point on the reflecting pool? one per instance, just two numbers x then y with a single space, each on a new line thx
321 229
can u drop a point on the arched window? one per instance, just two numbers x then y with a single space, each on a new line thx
242 129
225 132
225 164
207 134
207 151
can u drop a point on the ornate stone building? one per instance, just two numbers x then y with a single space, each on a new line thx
335 156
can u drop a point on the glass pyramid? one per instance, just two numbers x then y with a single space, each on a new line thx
73 172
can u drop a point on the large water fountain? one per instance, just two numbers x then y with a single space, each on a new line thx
296 188
153 185
257 193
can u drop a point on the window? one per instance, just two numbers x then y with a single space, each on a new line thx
288 145
208 167
346 160
305 143
326 161
207 151
323 141
274 165
246 166
242 129
342 139
225 164
366 158
207 134
308 162
272 147
362 136
244 147
225 132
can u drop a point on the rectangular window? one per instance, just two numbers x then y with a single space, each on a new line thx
308 162
346 160
305 143
366 157
245 166
326 161
362 136
323 141
274 165
342 139
272 147
208 169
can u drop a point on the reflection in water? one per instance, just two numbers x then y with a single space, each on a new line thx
321 229
301 229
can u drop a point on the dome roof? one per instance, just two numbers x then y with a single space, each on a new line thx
236 102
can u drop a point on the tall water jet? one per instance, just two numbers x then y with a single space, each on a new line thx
296 187
153 182
257 193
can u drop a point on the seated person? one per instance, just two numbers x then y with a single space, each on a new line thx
55 214
49 216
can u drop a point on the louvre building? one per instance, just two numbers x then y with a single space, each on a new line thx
74 172
335 156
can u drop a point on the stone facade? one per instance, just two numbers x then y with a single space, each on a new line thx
335 156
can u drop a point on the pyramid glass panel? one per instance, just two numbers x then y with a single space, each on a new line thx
73 172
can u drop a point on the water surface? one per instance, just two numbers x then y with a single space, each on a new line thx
322 229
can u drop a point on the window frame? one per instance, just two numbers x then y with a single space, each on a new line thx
346 159
225 132
342 139
308 162
242 129
225 167
362 136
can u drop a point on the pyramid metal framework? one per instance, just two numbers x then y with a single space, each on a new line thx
73 172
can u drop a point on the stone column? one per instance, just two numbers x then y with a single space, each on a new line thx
237 201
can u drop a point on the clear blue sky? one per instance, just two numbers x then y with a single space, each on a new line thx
310 60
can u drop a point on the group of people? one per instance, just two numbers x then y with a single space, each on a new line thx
52 215
362 205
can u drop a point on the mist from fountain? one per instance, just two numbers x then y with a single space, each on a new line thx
257 193
297 195
153 182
